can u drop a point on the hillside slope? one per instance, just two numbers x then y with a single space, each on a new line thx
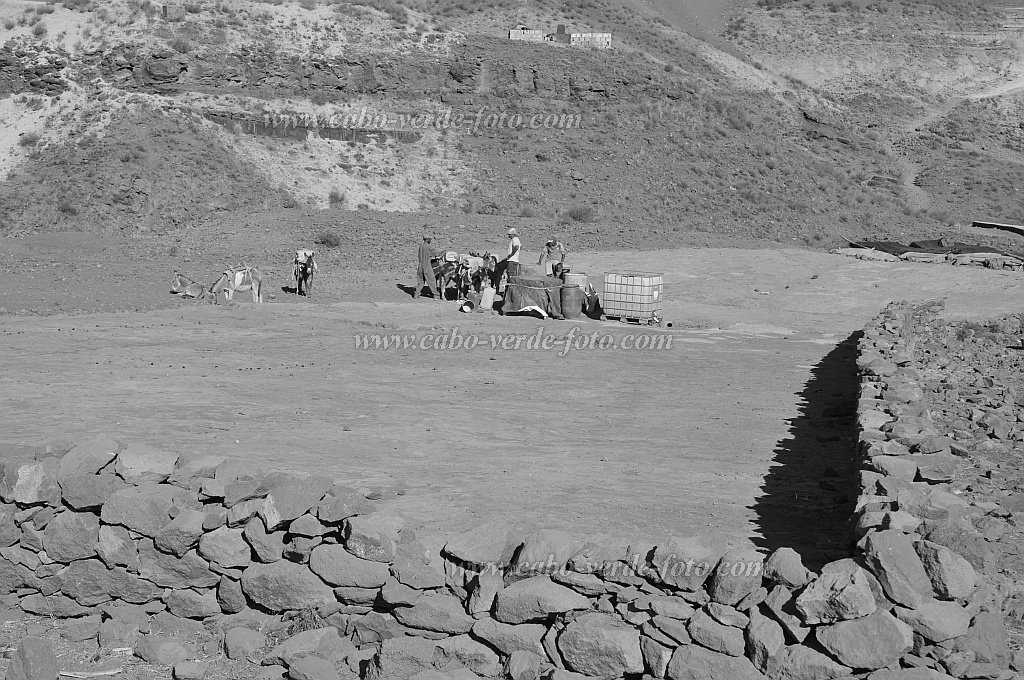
424 107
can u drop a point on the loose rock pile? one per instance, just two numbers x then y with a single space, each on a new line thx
125 539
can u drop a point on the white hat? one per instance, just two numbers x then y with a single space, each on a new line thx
513 232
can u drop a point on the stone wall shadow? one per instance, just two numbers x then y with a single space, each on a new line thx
809 494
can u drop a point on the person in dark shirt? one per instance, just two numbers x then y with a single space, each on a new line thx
425 270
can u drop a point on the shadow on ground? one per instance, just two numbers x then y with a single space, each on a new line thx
810 490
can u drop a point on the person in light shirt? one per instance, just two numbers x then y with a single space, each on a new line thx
515 247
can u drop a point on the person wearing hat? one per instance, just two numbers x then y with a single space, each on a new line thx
552 254
512 266
425 270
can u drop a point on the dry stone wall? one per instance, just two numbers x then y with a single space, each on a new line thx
137 546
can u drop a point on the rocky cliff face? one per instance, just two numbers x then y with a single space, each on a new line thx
32 68
480 69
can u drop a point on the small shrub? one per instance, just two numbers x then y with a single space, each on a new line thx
40 30
9 24
180 45
337 198
29 139
44 9
327 239
67 207
527 211
580 213
307 619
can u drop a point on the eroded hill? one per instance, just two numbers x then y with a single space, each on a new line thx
784 121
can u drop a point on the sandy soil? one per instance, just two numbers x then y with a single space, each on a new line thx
741 427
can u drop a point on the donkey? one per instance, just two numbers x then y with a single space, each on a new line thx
239 278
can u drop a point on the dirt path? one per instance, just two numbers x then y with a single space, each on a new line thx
741 427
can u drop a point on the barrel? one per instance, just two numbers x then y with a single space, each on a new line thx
575 279
572 298
487 299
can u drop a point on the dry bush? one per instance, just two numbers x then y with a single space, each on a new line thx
180 45
327 239
337 198
29 139
580 213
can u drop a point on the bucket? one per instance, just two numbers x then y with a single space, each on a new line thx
575 279
572 301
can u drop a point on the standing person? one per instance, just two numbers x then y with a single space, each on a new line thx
515 247
425 270
553 253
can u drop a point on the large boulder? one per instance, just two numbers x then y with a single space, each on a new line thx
952 576
243 643
764 639
291 497
736 575
162 650
303 643
54 606
909 674
374 536
284 585
188 571
890 555
483 590
30 482
226 547
230 595
402 658
141 464
339 567
803 663
88 582
935 620
686 562
439 613
182 533
870 642
692 662
534 599
545 551
836 596
507 638
71 536
87 458
986 639
89 492
33 659
116 547
785 567
10 533
266 547
143 509
601 645
464 651
490 545
705 631
342 502
192 605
